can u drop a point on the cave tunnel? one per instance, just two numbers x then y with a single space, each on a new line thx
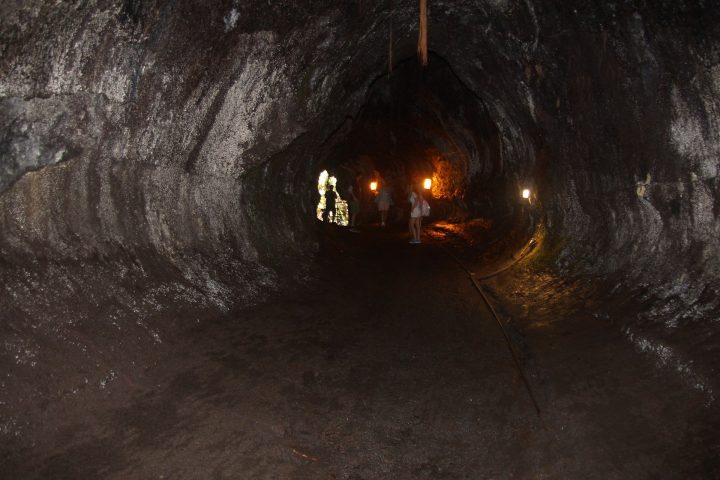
172 307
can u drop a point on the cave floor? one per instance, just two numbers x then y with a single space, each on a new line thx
390 366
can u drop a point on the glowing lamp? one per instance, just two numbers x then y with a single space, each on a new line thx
526 193
427 184
373 186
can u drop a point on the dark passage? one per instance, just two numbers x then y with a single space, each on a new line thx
171 306
420 123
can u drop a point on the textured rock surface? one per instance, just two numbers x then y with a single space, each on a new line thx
178 141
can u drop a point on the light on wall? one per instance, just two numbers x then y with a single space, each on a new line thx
526 193
373 186
427 184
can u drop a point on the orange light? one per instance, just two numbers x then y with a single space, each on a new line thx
373 186
427 184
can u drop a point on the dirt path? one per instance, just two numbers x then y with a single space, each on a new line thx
391 367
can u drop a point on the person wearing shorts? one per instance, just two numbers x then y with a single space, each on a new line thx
416 201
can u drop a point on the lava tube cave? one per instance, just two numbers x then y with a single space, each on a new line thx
208 255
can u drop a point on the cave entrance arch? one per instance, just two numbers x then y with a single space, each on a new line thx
325 180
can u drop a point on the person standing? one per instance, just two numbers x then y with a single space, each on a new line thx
353 206
384 201
330 197
416 203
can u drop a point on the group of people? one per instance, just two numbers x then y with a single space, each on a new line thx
384 200
419 208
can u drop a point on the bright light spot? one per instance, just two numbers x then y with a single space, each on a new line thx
526 193
427 184
341 208
373 186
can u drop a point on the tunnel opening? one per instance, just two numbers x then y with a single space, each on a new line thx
327 187
423 126
419 123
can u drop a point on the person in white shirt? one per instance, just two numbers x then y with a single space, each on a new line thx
416 202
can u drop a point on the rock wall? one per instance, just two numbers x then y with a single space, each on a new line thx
181 138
